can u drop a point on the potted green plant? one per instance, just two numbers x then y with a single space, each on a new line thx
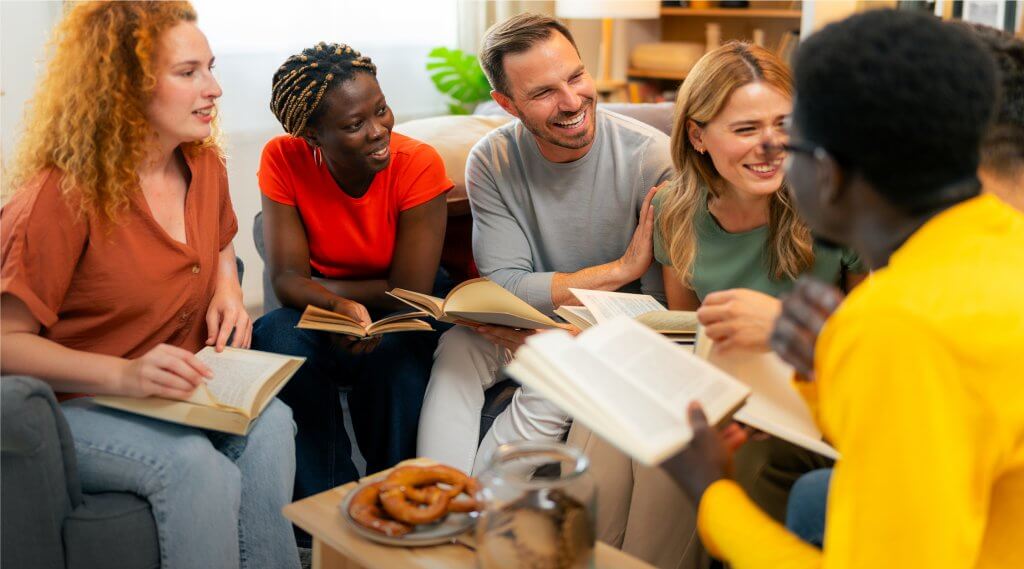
457 74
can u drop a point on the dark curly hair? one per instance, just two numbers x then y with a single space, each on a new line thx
1003 148
301 81
898 97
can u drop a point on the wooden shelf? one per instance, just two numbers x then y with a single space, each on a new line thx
655 74
732 13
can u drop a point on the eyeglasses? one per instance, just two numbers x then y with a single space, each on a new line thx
773 150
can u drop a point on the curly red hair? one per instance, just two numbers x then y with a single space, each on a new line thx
87 116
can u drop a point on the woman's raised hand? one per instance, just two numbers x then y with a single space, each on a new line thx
739 318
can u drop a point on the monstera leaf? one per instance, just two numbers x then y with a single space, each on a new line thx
458 75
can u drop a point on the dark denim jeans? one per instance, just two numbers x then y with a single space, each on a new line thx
805 515
387 387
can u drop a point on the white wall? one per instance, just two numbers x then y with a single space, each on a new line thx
24 29
245 65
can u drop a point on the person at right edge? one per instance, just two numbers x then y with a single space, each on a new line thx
804 312
917 372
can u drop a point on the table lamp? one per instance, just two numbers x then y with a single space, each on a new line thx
606 11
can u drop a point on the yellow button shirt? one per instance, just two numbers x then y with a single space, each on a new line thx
921 390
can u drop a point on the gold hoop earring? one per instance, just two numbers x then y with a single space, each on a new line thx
318 156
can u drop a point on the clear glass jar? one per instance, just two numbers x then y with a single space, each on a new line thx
538 508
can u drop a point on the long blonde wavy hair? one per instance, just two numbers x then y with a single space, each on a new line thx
87 116
788 249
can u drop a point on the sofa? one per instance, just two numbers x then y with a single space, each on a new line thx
47 521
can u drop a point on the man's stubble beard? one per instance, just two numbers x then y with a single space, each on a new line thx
573 143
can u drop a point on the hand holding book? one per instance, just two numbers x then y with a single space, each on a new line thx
165 371
352 309
706 460
630 385
510 338
232 392
315 318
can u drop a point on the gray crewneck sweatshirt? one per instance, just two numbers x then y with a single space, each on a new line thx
533 217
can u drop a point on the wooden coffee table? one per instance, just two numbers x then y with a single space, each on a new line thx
335 546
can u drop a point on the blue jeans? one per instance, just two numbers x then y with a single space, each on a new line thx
808 501
216 498
387 387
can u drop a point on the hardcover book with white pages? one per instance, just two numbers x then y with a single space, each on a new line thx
481 301
627 383
774 405
244 382
600 306
316 318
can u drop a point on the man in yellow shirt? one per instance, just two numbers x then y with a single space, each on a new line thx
805 311
919 373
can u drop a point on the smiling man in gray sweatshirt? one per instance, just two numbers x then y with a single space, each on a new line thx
560 199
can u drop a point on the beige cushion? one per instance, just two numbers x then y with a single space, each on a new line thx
452 136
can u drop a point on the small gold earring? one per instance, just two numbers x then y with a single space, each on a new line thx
318 157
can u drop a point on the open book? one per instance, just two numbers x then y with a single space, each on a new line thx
774 405
315 318
628 384
600 306
244 382
478 300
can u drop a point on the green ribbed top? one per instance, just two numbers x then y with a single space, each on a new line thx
736 260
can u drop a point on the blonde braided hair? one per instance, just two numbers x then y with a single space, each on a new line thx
301 81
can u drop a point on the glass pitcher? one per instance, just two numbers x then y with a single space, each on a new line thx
538 508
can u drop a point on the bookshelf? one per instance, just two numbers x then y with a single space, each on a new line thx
655 74
787 14
687 24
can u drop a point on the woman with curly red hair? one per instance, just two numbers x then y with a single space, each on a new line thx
118 266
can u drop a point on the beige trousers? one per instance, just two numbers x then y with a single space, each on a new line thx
639 509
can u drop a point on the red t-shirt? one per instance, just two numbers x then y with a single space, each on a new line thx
351 238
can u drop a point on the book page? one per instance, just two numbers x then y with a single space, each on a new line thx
352 329
316 318
319 314
655 437
774 405
578 316
402 321
670 321
605 305
419 301
238 375
485 301
668 373
404 325
587 376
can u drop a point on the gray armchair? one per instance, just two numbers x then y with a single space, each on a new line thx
47 521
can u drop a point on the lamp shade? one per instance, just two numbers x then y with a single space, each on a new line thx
590 9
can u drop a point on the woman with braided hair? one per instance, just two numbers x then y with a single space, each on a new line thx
351 210
118 266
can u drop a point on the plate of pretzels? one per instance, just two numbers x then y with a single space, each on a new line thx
413 505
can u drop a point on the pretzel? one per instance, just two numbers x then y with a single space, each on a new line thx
398 505
413 478
365 510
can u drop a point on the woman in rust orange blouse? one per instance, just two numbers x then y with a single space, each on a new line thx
118 265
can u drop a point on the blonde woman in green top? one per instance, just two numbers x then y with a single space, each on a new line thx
728 238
